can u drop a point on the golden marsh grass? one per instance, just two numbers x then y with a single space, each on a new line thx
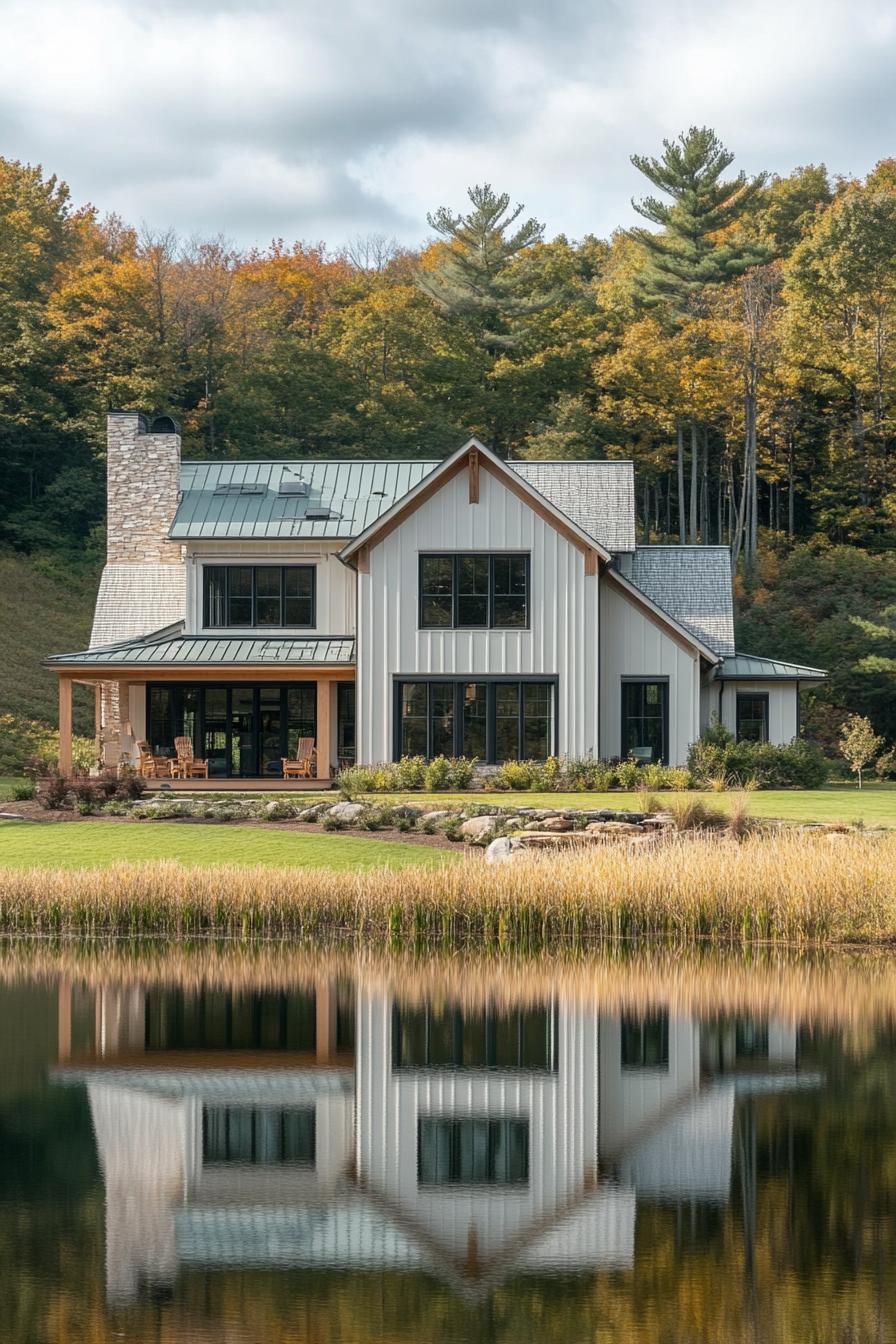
780 887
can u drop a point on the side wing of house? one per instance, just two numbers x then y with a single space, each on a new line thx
511 667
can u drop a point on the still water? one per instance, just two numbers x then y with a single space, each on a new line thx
204 1145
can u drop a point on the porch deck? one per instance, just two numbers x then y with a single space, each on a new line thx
264 785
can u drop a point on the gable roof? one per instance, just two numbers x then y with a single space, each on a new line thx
692 584
599 496
449 468
136 599
749 667
661 616
170 647
240 499
243 499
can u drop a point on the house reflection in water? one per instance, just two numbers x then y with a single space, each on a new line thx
339 1126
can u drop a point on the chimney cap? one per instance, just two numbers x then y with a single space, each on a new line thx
164 424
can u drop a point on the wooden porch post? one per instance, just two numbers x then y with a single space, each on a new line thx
325 1013
323 728
98 721
65 725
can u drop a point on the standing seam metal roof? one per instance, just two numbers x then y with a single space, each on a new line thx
356 492
172 647
750 667
242 499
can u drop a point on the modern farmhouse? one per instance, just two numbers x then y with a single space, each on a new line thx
262 620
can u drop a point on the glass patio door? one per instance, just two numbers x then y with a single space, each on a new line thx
243 745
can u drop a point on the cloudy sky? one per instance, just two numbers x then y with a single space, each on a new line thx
323 121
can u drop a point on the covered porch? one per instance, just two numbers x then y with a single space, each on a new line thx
243 706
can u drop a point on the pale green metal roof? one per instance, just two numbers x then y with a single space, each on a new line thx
749 667
247 499
172 648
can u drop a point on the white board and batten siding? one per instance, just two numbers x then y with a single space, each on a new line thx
530 1217
783 700
334 581
633 645
561 641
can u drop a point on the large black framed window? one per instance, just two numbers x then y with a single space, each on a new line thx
752 716
262 1135
470 1150
259 596
645 1041
243 730
448 1037
494 719
474 591
645 720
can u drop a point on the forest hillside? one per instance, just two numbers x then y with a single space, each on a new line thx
740 348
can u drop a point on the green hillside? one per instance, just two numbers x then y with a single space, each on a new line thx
44 608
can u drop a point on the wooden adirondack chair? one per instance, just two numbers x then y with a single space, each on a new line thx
304 764
188 767
150 766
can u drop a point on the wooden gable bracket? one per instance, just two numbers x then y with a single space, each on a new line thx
591 562
473 464
362 560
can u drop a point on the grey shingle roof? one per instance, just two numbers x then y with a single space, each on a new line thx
749 667
692 584
137 599
244 499
598 496
173 648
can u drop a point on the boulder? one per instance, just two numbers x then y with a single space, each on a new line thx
513 823
346 811
311 813
550 824
613 828
478 827
505 848
434 817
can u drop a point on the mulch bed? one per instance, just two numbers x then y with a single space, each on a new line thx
31 810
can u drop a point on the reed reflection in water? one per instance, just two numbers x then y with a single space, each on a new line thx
504 1154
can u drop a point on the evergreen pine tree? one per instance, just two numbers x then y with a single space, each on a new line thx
695 248
475 279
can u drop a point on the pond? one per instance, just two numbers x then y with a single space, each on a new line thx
211 1143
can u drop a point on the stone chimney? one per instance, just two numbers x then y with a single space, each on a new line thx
142 471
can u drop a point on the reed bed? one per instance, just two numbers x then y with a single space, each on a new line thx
772 887
849 991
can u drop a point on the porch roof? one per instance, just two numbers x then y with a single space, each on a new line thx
749 667
171 647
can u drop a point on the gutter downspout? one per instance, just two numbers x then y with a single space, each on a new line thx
798 715
721 691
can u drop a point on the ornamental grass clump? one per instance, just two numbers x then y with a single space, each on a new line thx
779 887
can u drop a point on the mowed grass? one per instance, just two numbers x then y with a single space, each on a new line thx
97 844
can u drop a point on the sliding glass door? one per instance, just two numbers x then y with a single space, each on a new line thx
243 730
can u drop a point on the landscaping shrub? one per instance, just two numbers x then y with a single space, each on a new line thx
410 772
463 769
799 765
23 789
130 786
30 743
885 766
54 792
437 775
628 775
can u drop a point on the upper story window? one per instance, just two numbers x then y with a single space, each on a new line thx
474 591
265 596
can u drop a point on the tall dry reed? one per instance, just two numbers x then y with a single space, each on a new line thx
794 887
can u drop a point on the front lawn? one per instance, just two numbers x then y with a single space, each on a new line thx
66 844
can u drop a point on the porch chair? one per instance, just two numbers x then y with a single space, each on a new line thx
187 766
304 764
150 766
